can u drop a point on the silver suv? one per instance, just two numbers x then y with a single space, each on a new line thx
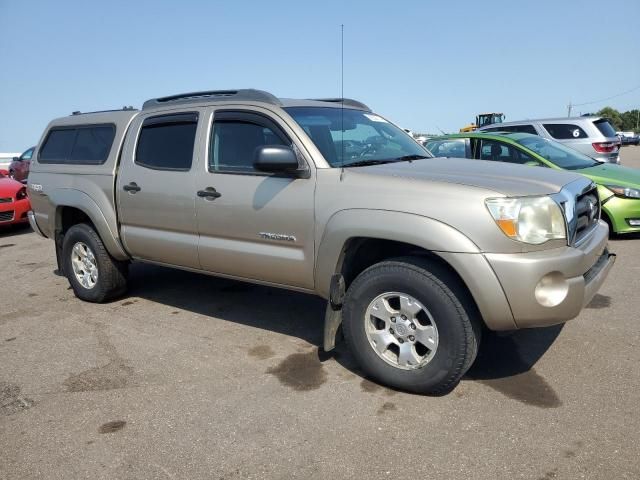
414 255
593 136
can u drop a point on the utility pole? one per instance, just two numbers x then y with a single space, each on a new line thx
637 119
569 107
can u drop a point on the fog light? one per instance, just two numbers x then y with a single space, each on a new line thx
634 222
552 289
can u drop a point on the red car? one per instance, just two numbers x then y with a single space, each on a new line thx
14 203
19 167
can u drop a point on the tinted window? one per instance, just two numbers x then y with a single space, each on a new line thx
86 145
92 145
166 142
564 131
58 145
605 127
502 152
234 142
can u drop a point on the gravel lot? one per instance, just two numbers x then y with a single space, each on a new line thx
195 377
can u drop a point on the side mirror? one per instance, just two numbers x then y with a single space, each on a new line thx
275 159
16 159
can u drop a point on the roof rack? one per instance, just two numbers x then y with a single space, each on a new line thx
247 94
123 109
347 101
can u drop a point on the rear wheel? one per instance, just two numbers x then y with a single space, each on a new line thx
94 275
408 328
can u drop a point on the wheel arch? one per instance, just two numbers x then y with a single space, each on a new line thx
74 206
380 234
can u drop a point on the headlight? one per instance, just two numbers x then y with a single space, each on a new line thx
22 194
625 192
528 219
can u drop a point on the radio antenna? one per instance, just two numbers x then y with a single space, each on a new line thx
341 100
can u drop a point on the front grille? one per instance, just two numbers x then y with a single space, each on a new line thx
587 213
6 216
6 200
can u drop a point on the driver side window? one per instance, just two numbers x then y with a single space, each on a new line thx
235 136
502 152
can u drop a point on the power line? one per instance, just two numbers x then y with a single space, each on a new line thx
608 98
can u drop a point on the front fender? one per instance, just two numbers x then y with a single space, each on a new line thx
66 197
417 230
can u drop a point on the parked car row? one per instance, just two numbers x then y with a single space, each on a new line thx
594 136
628 138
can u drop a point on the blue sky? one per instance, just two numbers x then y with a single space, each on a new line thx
423 64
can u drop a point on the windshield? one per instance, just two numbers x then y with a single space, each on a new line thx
558 154
348 137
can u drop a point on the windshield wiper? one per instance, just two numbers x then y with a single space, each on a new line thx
405 158
365 163
408 158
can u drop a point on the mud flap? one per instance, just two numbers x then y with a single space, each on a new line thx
58 244
332 321
333 314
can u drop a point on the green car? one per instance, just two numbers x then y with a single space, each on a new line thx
618 187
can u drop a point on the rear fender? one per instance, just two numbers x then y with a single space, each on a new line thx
62 198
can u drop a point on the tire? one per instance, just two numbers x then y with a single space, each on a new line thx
111 278
457 325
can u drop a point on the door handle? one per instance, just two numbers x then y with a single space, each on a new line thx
209 193
132 187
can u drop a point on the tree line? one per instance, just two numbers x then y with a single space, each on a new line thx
622 121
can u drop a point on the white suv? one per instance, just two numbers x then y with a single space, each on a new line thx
594 136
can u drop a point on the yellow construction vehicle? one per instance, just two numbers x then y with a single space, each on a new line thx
482 120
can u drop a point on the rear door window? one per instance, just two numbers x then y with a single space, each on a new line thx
565 131
605 127
166 142
81 145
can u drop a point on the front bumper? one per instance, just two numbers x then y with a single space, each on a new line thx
14 212
552 286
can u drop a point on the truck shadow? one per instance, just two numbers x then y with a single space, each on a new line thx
290 313
504 363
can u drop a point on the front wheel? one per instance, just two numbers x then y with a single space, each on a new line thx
94 275
408 328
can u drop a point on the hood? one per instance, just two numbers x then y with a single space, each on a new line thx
610 174
499 177
9 187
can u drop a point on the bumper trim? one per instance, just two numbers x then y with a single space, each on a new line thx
594 278
34 225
